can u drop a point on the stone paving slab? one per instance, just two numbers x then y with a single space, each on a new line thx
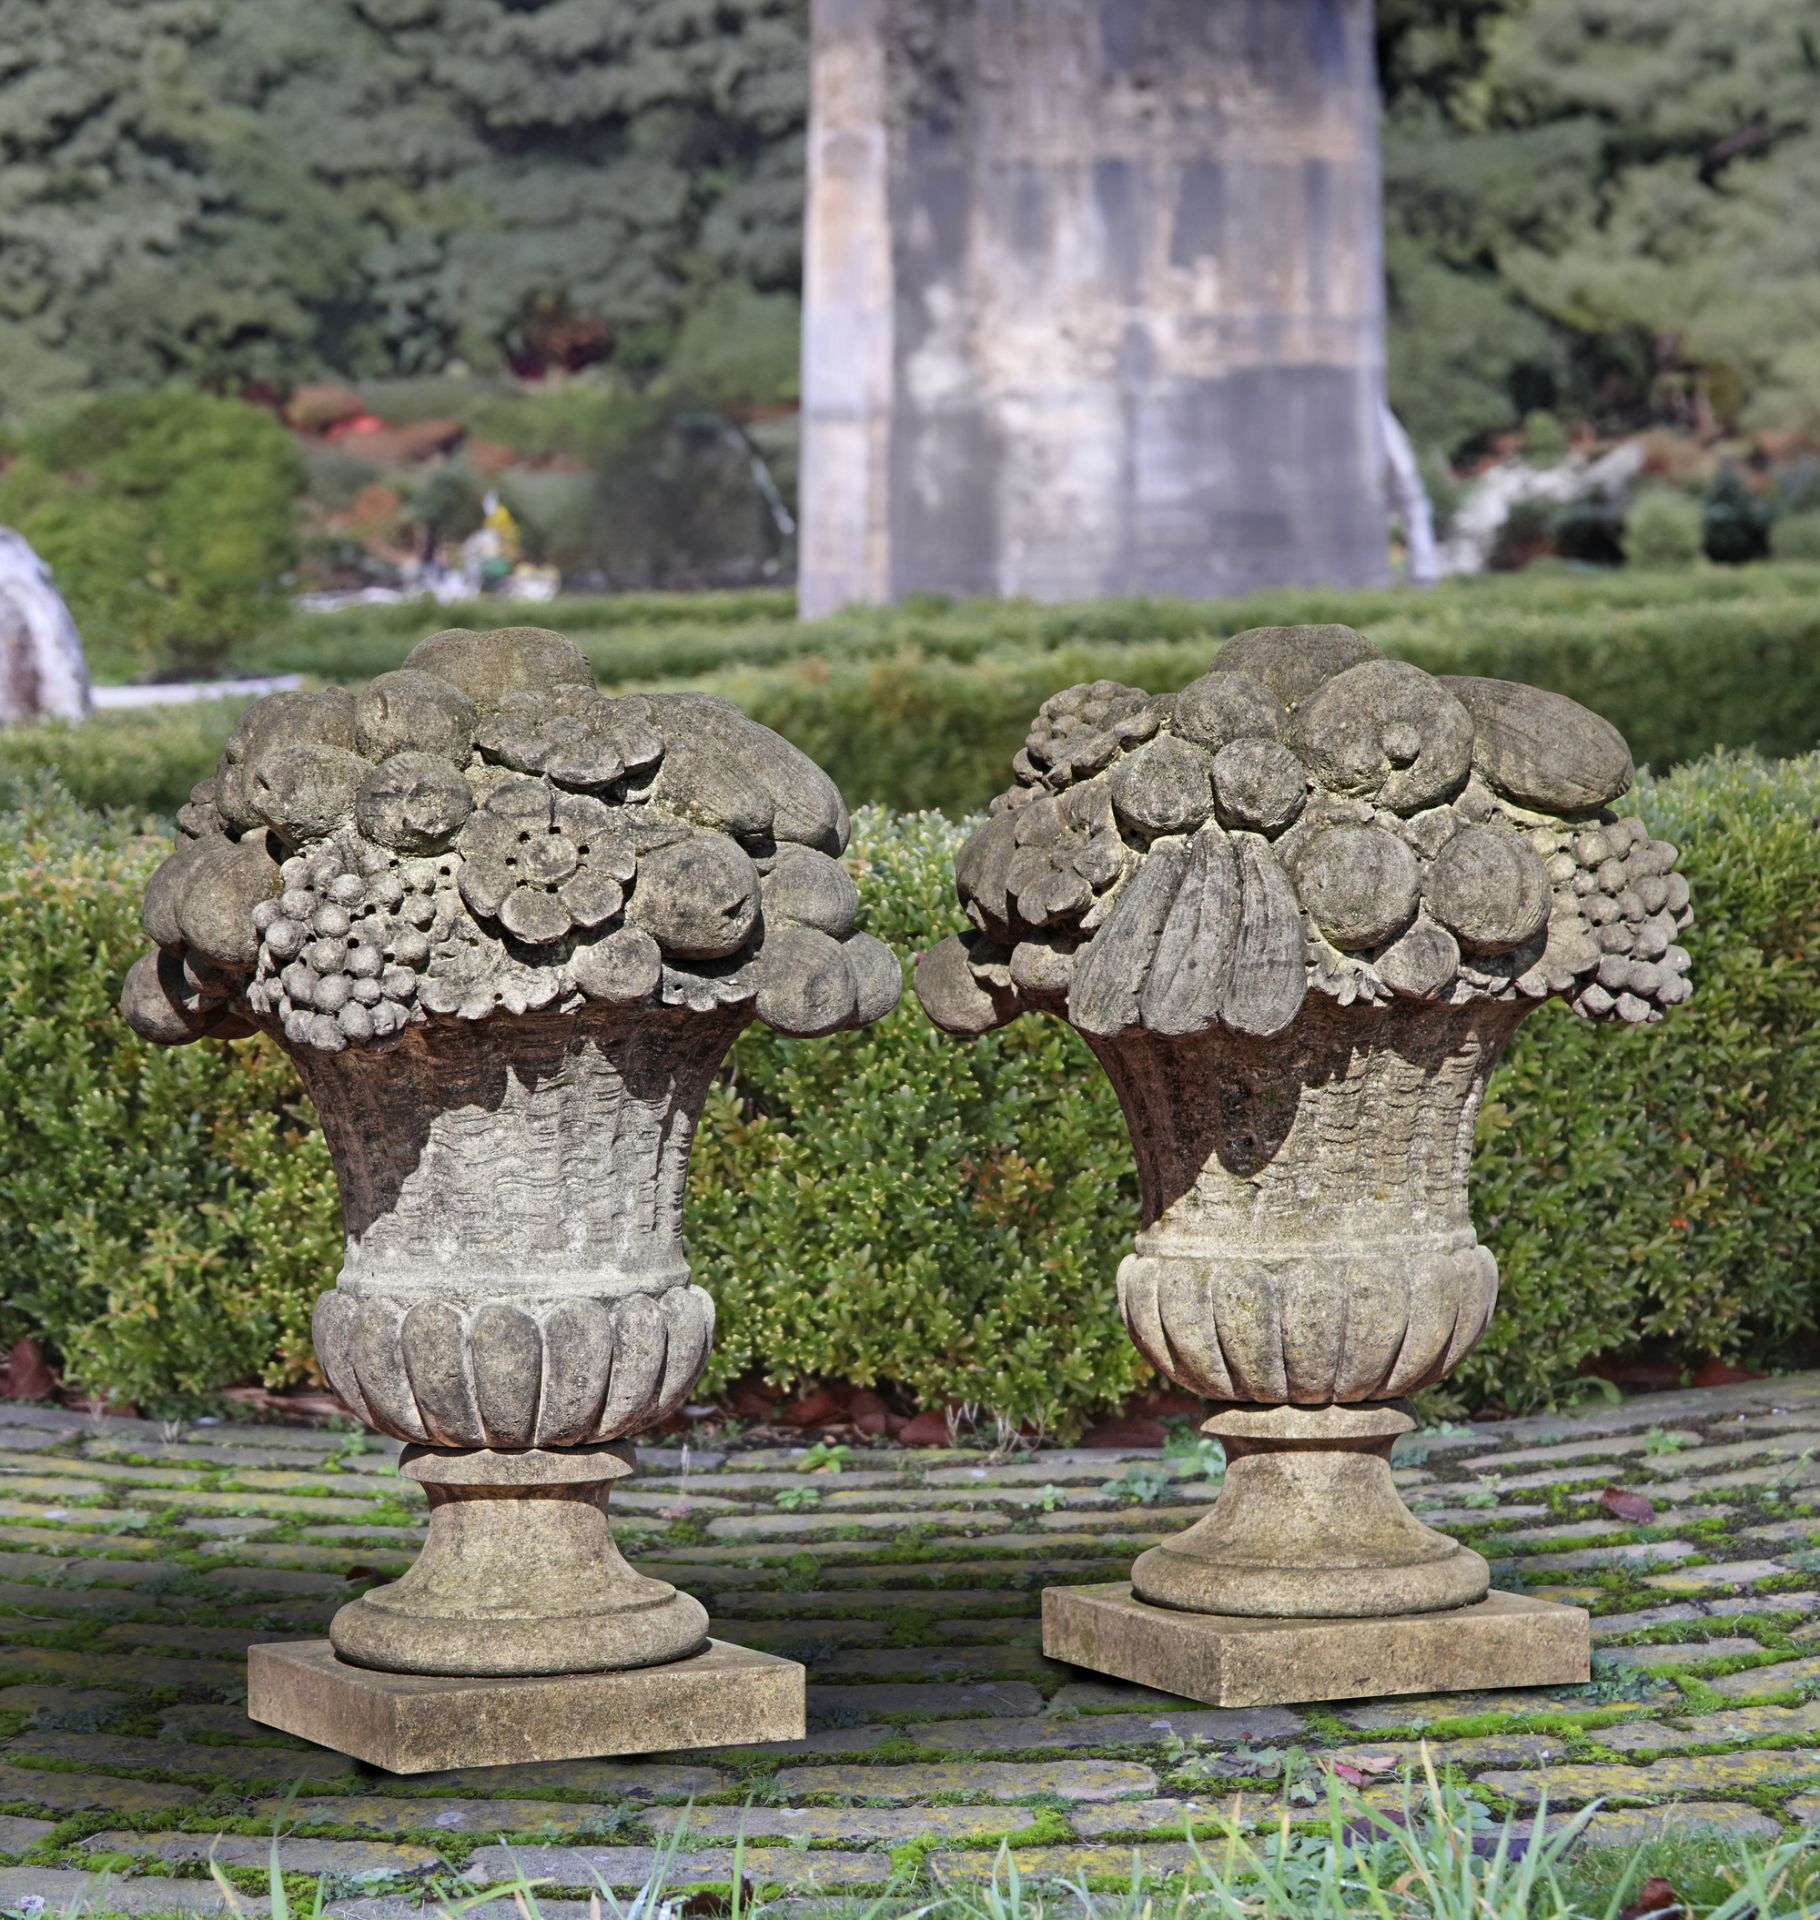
893 1825
139 1561
66 1890
17 1833
377 1858
1627 1826
627 1867
391 1814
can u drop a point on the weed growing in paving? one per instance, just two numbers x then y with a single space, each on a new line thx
1140 1485
1428 1853
825 1457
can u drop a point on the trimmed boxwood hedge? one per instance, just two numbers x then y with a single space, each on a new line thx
924 705
898 1206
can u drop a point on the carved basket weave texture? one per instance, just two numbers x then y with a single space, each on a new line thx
512 1195
1306 1237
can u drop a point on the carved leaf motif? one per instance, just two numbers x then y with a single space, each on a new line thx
1187 985
1110 975
1269 977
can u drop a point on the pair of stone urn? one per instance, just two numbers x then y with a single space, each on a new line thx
507 927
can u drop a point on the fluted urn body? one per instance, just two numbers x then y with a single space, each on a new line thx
1305 1235
507 928
1306 1246
1297 910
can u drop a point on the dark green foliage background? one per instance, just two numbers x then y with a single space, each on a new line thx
169 520
924 705
1589 208
899 1206
211 188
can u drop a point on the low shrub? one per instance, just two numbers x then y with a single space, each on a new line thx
1662 1185
146 759
910 730
899 1206
1797 536
168 521
165 1215
924 705
1664 529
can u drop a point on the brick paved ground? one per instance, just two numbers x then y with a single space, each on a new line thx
137 1562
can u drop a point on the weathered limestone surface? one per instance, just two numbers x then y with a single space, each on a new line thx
507 927
1093 299
1229 1660
721 1696
1297 910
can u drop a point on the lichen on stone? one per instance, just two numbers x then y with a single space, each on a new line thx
1309 817
483 833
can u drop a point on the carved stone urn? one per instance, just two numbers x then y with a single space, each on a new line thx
507 928
1297 910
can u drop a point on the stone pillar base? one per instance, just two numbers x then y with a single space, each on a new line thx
1505 1640
722 1696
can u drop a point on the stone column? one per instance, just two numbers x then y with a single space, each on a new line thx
507 928
1296 911
1093 299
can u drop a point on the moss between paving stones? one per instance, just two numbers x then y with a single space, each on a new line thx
852 1597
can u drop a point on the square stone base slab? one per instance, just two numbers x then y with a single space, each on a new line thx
1506 1640
418 1723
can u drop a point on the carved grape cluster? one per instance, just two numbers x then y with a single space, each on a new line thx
1309 816
343 947
482 832
1076 732
1630 904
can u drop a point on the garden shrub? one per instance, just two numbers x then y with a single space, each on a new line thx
1545 441
167 1214
1797 536
1589 528
1664 529
924 705
1524 536
898 1206
1663 1184
168 519
1737 520
912 731
147 759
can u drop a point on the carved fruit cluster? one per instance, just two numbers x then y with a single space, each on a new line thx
341 950
1309 816
484 832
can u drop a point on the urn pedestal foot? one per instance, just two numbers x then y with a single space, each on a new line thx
519 1574
520 1633
1309 1525
721 1696
1227 1660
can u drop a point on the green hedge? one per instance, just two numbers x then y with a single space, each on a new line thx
168 520
899 1206
145 759
924 705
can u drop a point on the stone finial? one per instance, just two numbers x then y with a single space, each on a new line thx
1296 911
482 833
507 927
1309 817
